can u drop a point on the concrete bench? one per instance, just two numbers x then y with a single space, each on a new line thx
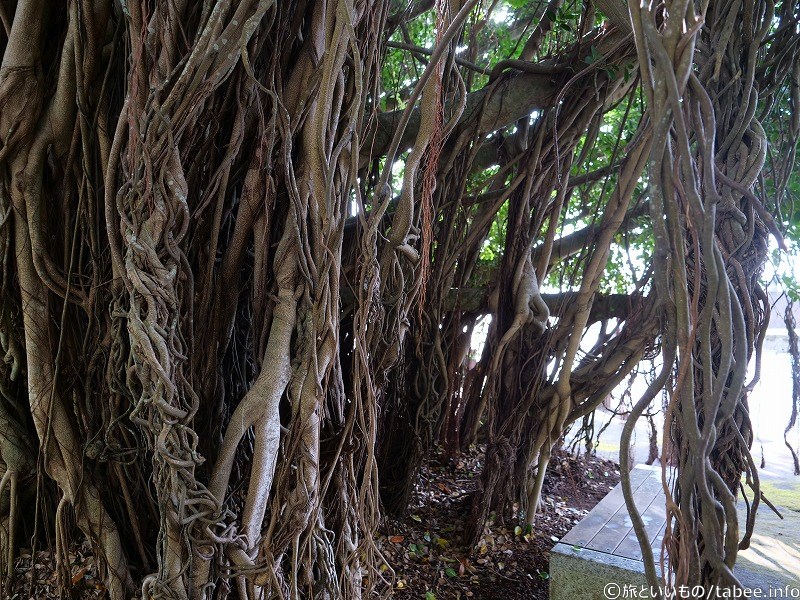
603 547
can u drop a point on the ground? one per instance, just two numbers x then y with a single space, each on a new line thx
424 548
37 578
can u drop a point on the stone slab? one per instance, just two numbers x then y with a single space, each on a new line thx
603 548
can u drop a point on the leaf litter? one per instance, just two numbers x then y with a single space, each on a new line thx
426 552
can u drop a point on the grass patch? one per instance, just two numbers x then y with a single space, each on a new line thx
784 494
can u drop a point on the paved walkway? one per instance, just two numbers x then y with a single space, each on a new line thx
778 481
603 548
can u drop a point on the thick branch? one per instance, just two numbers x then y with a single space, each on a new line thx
509 100
574 242
476 300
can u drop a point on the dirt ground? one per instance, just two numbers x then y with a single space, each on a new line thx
423 549
509 563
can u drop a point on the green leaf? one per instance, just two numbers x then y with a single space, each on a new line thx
594 56
450 572
528 528
626 75
429 595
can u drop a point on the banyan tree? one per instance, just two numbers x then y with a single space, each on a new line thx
244 247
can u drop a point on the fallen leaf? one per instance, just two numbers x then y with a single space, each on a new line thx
396 539
79 575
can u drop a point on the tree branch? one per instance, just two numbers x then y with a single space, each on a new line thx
508 99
